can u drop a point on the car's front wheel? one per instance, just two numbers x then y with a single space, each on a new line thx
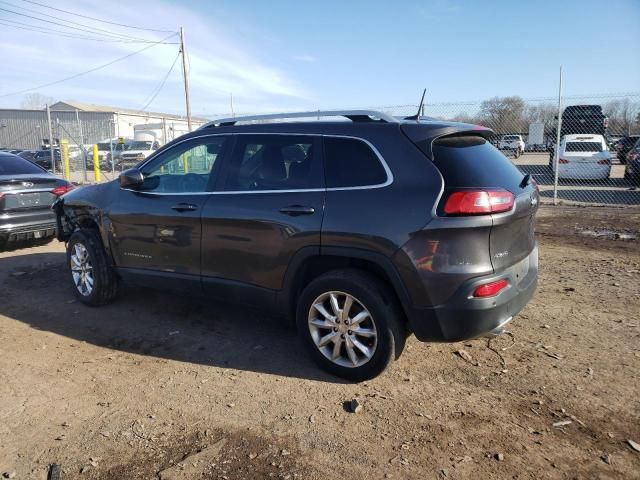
94 280
351 324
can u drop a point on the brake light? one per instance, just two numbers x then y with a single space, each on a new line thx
490 289
563 160
473 202
605 161
62 189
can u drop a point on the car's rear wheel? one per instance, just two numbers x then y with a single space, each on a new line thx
94 280
351 324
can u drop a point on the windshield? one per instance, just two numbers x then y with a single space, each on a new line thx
14 165
139 145
510 137
583 147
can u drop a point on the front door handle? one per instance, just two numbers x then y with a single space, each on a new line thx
295 210
184 207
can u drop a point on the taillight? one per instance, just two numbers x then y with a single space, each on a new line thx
473 202
62 189
563 160
490 289
604 161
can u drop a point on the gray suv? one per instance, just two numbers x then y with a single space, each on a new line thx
361 231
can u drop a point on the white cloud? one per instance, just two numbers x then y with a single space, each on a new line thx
220 61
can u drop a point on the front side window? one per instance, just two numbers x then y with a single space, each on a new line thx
350 162
184 168
274 162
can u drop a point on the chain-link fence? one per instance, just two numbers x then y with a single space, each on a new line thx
97 145
579 149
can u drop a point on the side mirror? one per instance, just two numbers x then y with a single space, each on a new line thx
132 178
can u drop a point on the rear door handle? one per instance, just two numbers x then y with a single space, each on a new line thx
295 210
184 207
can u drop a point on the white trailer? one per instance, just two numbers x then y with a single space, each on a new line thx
535 140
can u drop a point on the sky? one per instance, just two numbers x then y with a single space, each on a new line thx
275 56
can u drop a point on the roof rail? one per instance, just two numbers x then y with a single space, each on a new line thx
353 115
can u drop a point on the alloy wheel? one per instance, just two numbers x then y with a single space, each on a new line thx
81 269
342 329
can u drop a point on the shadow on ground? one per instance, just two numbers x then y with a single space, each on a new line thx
36 290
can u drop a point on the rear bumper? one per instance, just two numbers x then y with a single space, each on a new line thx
16 230
465 317
584 171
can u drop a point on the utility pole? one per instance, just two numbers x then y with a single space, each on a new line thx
231 103
53 158
185 76
84 152
557 153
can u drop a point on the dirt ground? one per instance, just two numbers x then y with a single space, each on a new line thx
140 386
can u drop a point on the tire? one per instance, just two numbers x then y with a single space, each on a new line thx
385 320
517 153
104 286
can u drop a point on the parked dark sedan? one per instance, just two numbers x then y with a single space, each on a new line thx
26 194
624 146
632 169
29 155
42 158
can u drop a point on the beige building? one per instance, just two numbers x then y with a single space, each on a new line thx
84 123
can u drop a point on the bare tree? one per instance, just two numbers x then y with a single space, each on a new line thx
35 101
503 114
622 115
542 113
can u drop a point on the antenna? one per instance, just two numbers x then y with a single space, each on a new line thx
416 117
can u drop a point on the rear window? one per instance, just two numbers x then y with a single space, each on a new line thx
584 110
583 147
472 162
510 137
351 163
15 165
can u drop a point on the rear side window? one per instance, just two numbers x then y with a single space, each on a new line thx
274 162
15 165
583 147
471 161
350 162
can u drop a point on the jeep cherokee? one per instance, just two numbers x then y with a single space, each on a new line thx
362 231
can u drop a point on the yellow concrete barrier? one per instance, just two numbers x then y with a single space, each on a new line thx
96 163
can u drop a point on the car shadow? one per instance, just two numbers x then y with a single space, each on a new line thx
36 291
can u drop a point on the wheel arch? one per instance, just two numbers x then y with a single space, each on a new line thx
310 262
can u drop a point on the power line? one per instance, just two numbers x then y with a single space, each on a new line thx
98 19
62 33
157 90
87 71
86 28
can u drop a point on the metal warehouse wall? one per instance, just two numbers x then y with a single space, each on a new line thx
25 129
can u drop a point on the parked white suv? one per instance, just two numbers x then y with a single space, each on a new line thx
513 143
